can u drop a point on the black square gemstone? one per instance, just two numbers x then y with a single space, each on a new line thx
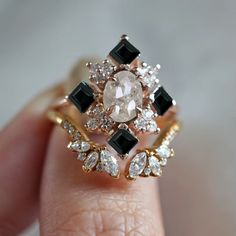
124 52
123 141
82 96
162 101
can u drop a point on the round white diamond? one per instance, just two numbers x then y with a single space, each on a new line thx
91 160
163 151
80 146
137 164
147 171
123 96
155 165
92 124
140 123
152 126
109 163
147 114
81 156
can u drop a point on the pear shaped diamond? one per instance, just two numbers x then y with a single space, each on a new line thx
91 161
79 146
137 164
154 165
109 163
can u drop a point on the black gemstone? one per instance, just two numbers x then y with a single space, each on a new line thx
82 97
124 52
162 101
123 141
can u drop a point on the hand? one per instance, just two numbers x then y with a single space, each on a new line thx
40 178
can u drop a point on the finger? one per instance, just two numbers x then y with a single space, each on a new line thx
22 147
76 203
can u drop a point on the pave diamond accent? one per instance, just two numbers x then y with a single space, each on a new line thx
91 161
123 96
147 171
99 119
92 124
79 146
149 76
137 165
100 72
81 156
109 163
124 52
68 127
145 121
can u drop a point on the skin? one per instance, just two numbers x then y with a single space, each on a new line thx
40 178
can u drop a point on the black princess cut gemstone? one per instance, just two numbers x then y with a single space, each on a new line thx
123 141
162 101
82 97
124 52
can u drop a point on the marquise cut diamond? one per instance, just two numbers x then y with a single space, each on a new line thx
137 164
91 161
154 165
109 163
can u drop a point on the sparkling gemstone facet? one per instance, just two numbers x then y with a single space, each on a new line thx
137 164
91 161
78 146
123 96
123 141
163 151
109 163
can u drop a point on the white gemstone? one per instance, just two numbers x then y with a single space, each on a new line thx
163 151
163 161
91 161
147 114
152 126
77 136
145 121
92 124
140 123
109 163
137 164
99 167
81 156
107 123
143 70
100 72
80 146
68 127
123 96
147 171
154 165
97 111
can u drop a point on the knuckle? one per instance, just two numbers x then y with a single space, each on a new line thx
111 215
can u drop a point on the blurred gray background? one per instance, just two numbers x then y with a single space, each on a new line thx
194 41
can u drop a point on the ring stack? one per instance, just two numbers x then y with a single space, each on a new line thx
125 102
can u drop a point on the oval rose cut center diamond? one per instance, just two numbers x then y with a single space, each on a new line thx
123 96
